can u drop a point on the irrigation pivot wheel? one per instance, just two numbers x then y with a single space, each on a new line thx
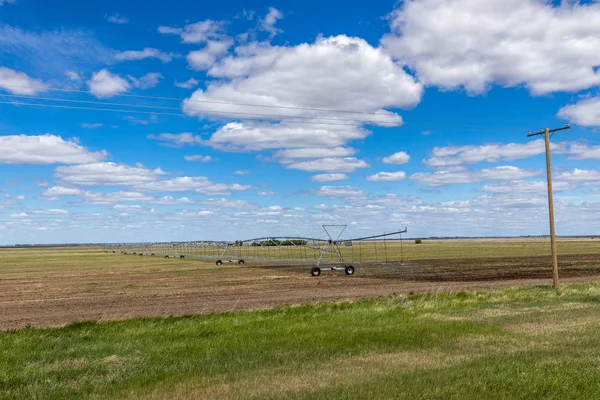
316 271
219 262
349 270
241 262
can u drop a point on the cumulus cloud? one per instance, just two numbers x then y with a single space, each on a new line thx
57 191
242 172
52 211
458 155
579 175
105 84
148 52
387 176
258 136
338 72
396 158
268 22
474 44
199 158
20 83
198 184
199 32
289 155
329 177
190 83
205 58
584 113
134 209
345 164
150 80
526 187
461 175
339 191
45 149
106 173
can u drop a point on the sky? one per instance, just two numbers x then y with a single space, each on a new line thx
174 121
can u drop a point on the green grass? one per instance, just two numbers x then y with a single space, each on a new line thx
515 343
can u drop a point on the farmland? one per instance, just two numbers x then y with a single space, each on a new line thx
468 319
55 286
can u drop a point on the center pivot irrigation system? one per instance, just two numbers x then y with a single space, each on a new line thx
323 254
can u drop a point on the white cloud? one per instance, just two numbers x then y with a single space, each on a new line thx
339 191
345 164
134 209
581 151
307 153
257 136
190 83
56 191
148 52
51 53
338 72
204 59
199 158
116 19
268 22
106 173
105 84
2 2
329 177
177 139
19 215
396 158
471 43
579 175
241 172
387 176
88 125
461 175
584 113
52 211
45 149
199 184
267 193
517 188
72 75
19 83
150 80
458 155
199 32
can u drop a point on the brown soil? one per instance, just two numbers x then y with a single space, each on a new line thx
130 287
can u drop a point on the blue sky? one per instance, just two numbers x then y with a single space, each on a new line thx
138 121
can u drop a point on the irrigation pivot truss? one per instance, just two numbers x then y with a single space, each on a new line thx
323 254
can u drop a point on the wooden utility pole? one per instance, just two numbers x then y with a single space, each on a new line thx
546 132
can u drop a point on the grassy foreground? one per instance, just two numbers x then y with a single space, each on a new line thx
517 343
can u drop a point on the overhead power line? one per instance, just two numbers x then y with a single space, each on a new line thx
207 112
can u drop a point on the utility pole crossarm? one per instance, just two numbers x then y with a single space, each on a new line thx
543 131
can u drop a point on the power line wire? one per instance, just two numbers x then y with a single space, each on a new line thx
208 112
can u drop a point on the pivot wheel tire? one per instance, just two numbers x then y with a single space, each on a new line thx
241 262
349 270
316 271
182 257
166 256
219 262
141 254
